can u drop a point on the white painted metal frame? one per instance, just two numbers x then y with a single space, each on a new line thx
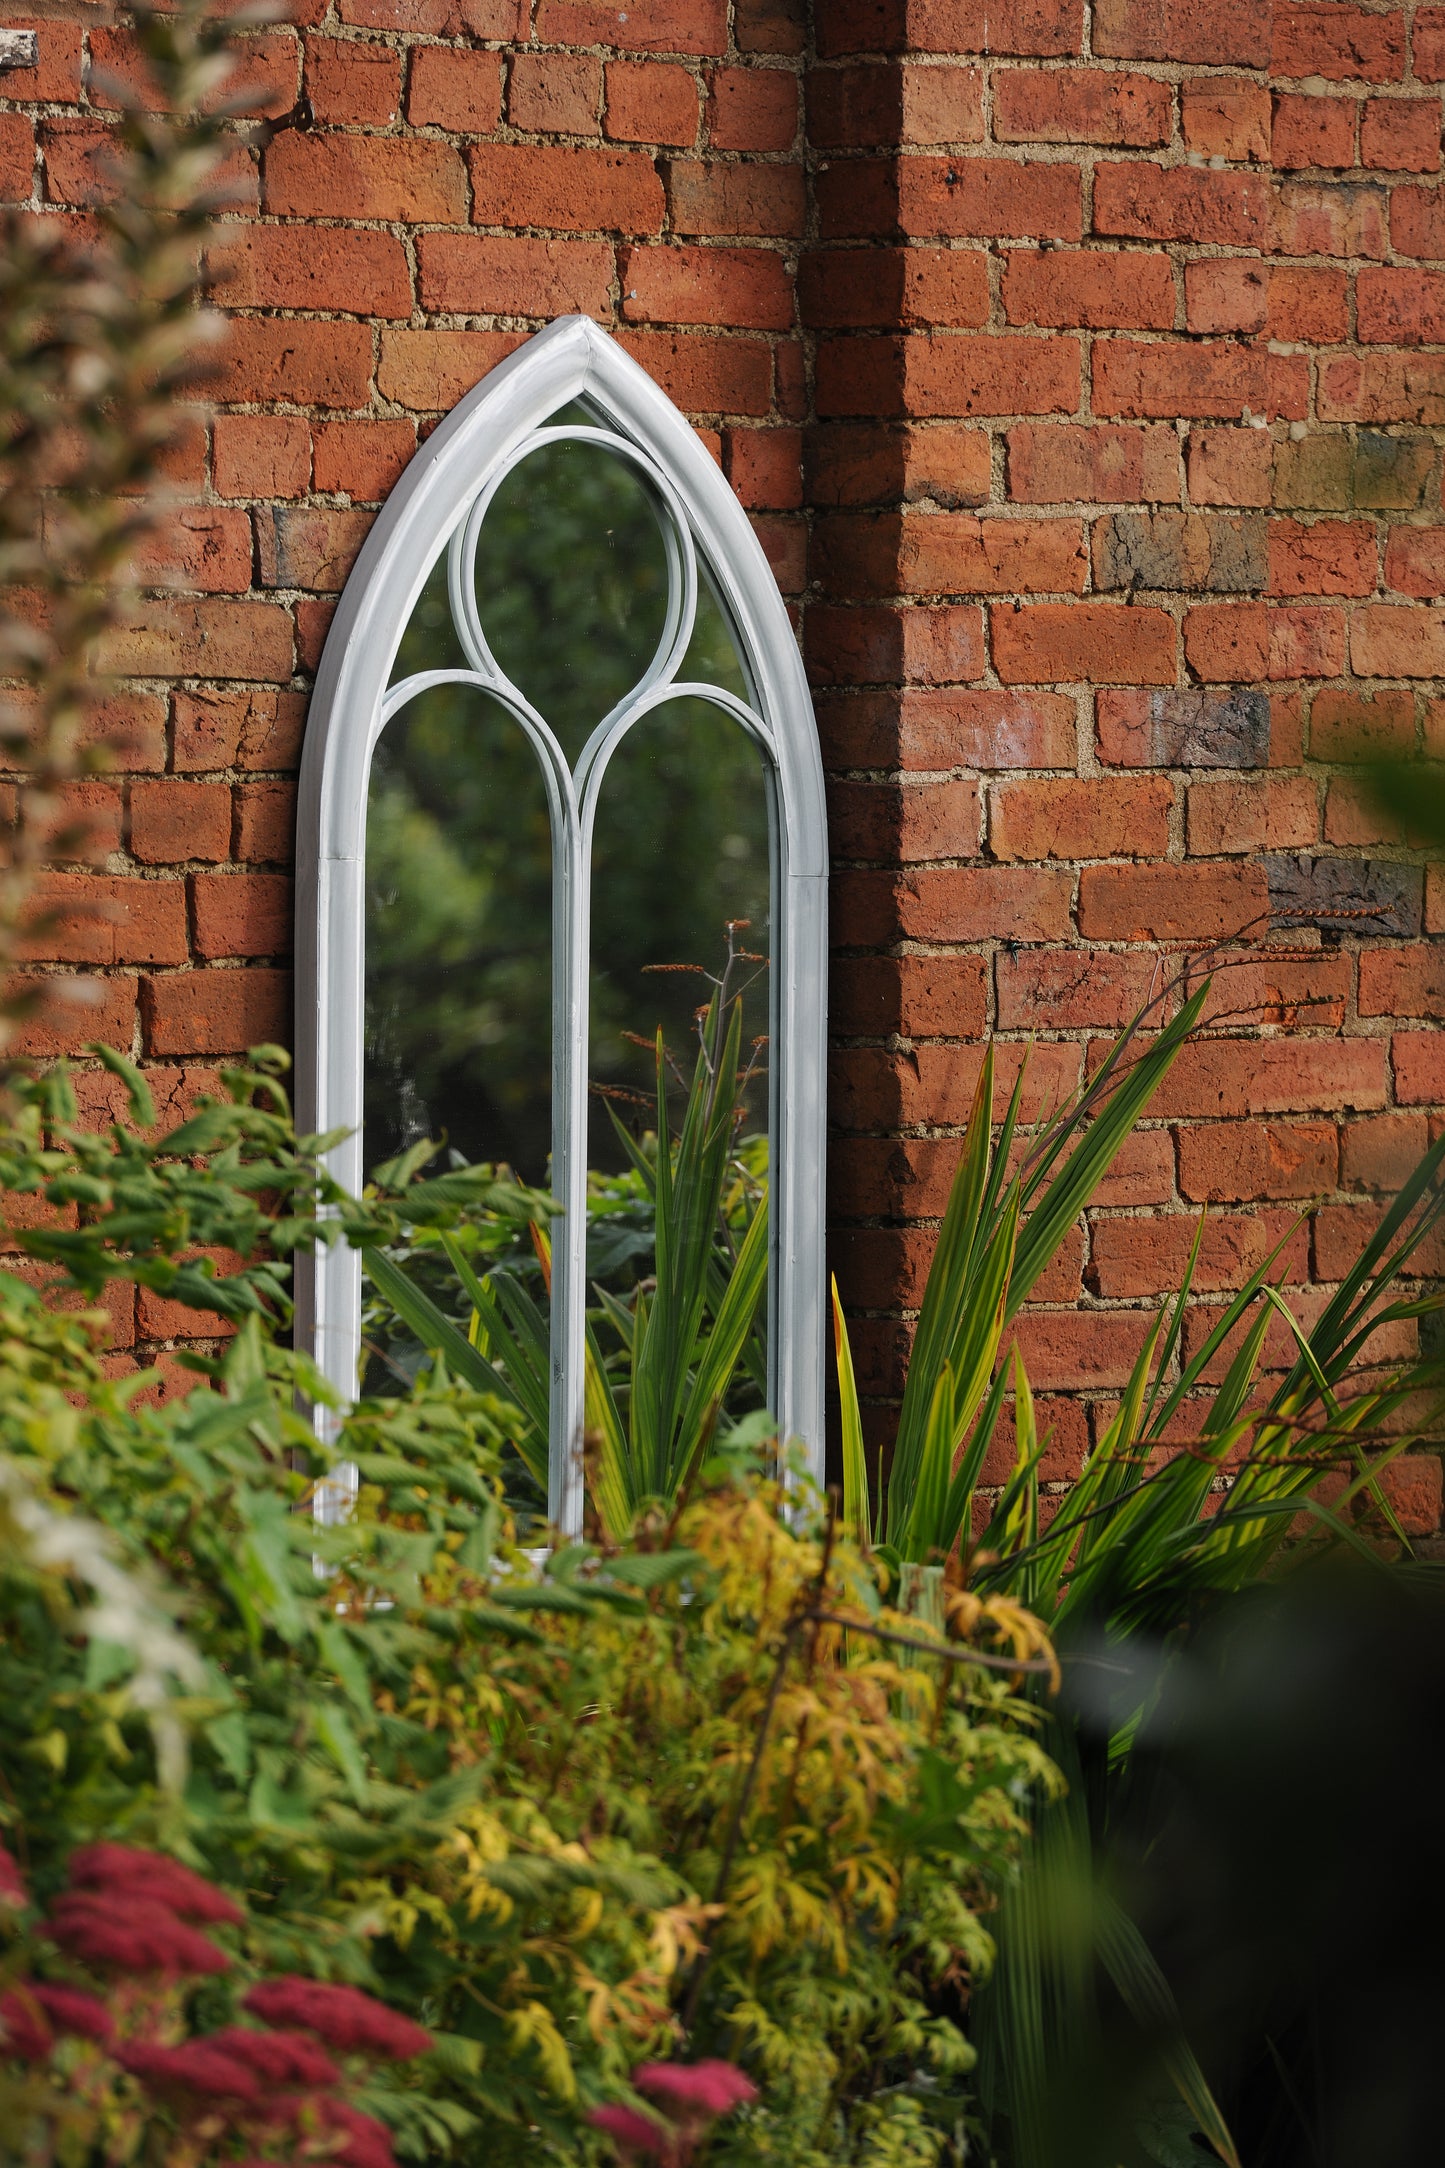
440 502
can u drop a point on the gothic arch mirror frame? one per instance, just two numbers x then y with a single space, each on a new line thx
438 504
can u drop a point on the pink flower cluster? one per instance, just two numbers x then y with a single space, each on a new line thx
690 2097
131 1914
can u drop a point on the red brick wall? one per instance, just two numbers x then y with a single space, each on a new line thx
1113 343
1126 539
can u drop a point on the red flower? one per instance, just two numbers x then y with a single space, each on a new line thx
12 1882
342 2016
633 2133
277 2058
194 2067
696 2089
368 2143
154 1877
71 2010
27 2032
130 1935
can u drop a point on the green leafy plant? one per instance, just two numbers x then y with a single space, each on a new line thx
1145 1535
664 1362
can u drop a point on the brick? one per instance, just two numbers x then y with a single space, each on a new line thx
1211 380
105 918
1237 1162
853 288
1400 308
649 103
752 109
250 729
1060 463
261 455
1308 304
703 375
1377 1155
1169 903
475 274
384 177
1415 561
215 1012
988 198
1031 28
1184 729
1226 117
241 914
429 371
928 729
1418 1059
1313 131
1071 989
1331 218
904 824
85 824
765 468
73 1012
1428 44
1401 135
204 639
857 464
1089 287
355 84
1080 105
1417 221
1229 466
1218 33
1338 42
1182 203
1226 293
1081 817
769 26
200 546
573 187
362 459
980 903
55 77
1086 1349
951 552
1227 642
1324 557
874 1088
1286 988
555 93
1131 1259
265 822
1383 388
1306 640
1389 640
1271 813
648 26
501 19
1222 1078
17 163
940 104
926 646
1082 642
708 198
1179 550
173 821
1348 725
78 155
1402 982
333 268
1344 895
307 364
162 1317
1354 817
456 90
930 997
734 287
310 546
963 376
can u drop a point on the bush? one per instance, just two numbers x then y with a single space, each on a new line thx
628 1804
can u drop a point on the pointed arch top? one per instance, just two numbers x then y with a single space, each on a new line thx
573 360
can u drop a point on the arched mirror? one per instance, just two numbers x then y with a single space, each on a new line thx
561 776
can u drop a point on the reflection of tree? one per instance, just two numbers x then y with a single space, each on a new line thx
572 589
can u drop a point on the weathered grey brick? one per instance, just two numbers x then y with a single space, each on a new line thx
1344 895
1189 551
1199 729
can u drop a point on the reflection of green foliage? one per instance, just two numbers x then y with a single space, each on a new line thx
572 589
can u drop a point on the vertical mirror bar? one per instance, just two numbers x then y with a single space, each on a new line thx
570 943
